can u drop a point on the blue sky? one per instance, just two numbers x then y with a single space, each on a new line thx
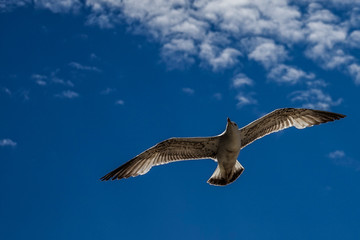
87 85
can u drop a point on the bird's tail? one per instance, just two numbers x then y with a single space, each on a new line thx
221 178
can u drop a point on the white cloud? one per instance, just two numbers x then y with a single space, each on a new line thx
318 14
103 21
67 94
244 18
59 6
241 80
287 74
7 143
337 154
244 99
62 82
354 70
354 39
186 45
179 51
218 58
7 91
314 98
39 79
326 39
355 17
339 158
41 83
268 53
188 91
43 80
79 66
316 83
9 5
120 102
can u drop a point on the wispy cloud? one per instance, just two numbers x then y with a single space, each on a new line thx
59 6
119 102
286 74
188 91
79 66
244 99
67 94
314 98
62 81
316 83
214 54
41 83
339 158
7 143
325 38
39 79
19 93
241 80
337 154
9 5
354 39
179 50
43 80
7 91
354 70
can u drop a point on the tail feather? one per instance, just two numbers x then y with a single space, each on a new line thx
221 178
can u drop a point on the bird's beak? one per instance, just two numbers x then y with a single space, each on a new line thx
228 120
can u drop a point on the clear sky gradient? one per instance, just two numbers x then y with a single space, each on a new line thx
87 85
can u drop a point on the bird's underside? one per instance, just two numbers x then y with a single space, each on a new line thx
178 149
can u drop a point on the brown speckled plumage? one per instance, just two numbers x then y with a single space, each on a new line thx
284 118
170 150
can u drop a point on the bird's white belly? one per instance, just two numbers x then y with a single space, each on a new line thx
227 159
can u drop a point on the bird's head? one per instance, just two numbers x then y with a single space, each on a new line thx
231 126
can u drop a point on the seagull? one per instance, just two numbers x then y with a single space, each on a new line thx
224 148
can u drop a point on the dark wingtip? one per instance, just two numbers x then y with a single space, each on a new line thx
103 178
338 116
331 115
107 177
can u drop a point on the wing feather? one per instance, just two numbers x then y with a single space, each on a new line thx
284 118
170 150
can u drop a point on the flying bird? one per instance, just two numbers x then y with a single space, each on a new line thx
224 148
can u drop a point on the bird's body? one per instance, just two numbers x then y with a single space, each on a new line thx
228 149
223 148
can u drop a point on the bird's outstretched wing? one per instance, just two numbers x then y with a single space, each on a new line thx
170 150
284 118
